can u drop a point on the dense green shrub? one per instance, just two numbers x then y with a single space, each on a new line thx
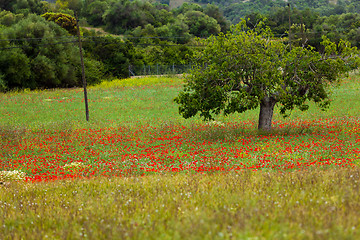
63 20
24 6
115 54
41 54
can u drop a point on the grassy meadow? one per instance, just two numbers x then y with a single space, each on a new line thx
138 170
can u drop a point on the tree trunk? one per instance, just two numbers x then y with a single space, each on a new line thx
266 113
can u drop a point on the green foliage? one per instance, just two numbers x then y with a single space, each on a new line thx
94 11
63 20
43 71
245 68
115 54
344 26
176 31
73 5
8 18
162 45
125 15
278 21
186 7
44 62
200 24
60 59
307 26
165 55
24 6
235 10
2 83
203 18
14 76
214 11
94 71
6 4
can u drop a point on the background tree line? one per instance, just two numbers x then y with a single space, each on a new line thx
234 10
307 26
143 32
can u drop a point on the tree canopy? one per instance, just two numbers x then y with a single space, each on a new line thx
247 68
31 57
63 20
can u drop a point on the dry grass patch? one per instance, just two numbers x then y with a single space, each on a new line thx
244 205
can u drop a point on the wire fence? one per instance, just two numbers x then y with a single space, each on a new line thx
145 70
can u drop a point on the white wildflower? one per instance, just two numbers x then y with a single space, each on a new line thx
12 175
74 165
215 123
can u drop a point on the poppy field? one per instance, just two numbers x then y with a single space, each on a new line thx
146 140
121 151
137 170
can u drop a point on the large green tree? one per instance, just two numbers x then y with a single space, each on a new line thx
214 11
94 11
247 68
200 24
65 21
125 15
115 54
35 53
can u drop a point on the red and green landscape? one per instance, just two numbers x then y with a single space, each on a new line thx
137 170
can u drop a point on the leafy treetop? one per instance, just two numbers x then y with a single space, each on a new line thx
63 20
247 68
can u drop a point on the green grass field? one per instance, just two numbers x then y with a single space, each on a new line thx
138 170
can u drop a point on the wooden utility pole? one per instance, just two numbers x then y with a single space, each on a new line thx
82 69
